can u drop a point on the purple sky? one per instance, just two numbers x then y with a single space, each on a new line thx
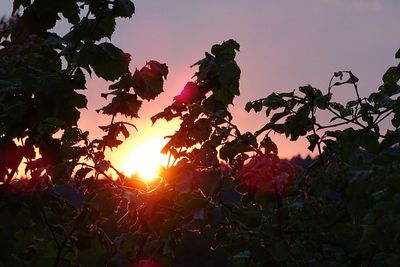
284 44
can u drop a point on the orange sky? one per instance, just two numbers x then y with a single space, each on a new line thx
284 44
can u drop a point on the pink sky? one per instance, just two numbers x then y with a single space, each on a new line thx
284 44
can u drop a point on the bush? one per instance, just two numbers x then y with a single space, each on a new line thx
226 200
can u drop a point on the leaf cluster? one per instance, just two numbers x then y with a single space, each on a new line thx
225 198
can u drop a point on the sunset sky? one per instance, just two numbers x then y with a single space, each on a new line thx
284 44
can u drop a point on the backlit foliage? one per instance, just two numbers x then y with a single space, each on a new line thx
226 199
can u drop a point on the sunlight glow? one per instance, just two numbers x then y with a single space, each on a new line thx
145 160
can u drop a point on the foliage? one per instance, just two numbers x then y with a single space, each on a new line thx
226 198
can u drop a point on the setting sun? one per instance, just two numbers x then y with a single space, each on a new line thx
145 159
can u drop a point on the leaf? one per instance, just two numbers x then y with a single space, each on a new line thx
277 116
201 130
226 49
228 76
124 130
123 8
342 110
18 3
124 103
70 10
148 82
323 101
82 173
392 75
352 79
223 96
244 143
107 26
269 145
397 54
369 141
78 79
298 125
249 106
313 139
108 61
191 93
77 100
309 91
274 101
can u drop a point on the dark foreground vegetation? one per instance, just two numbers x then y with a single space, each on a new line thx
226 200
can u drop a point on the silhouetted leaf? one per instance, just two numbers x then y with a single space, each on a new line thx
123 8
107 61
313 139
149 81
392 75
124 103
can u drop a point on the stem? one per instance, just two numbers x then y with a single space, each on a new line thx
315 132
62 246
233 126
379 120
169 159
330 84
50 229
108 132
320 127
354 120
141 248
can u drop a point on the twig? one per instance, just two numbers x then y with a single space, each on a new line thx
50 229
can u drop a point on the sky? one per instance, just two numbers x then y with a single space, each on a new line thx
284 44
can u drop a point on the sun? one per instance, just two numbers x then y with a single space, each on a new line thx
145 159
